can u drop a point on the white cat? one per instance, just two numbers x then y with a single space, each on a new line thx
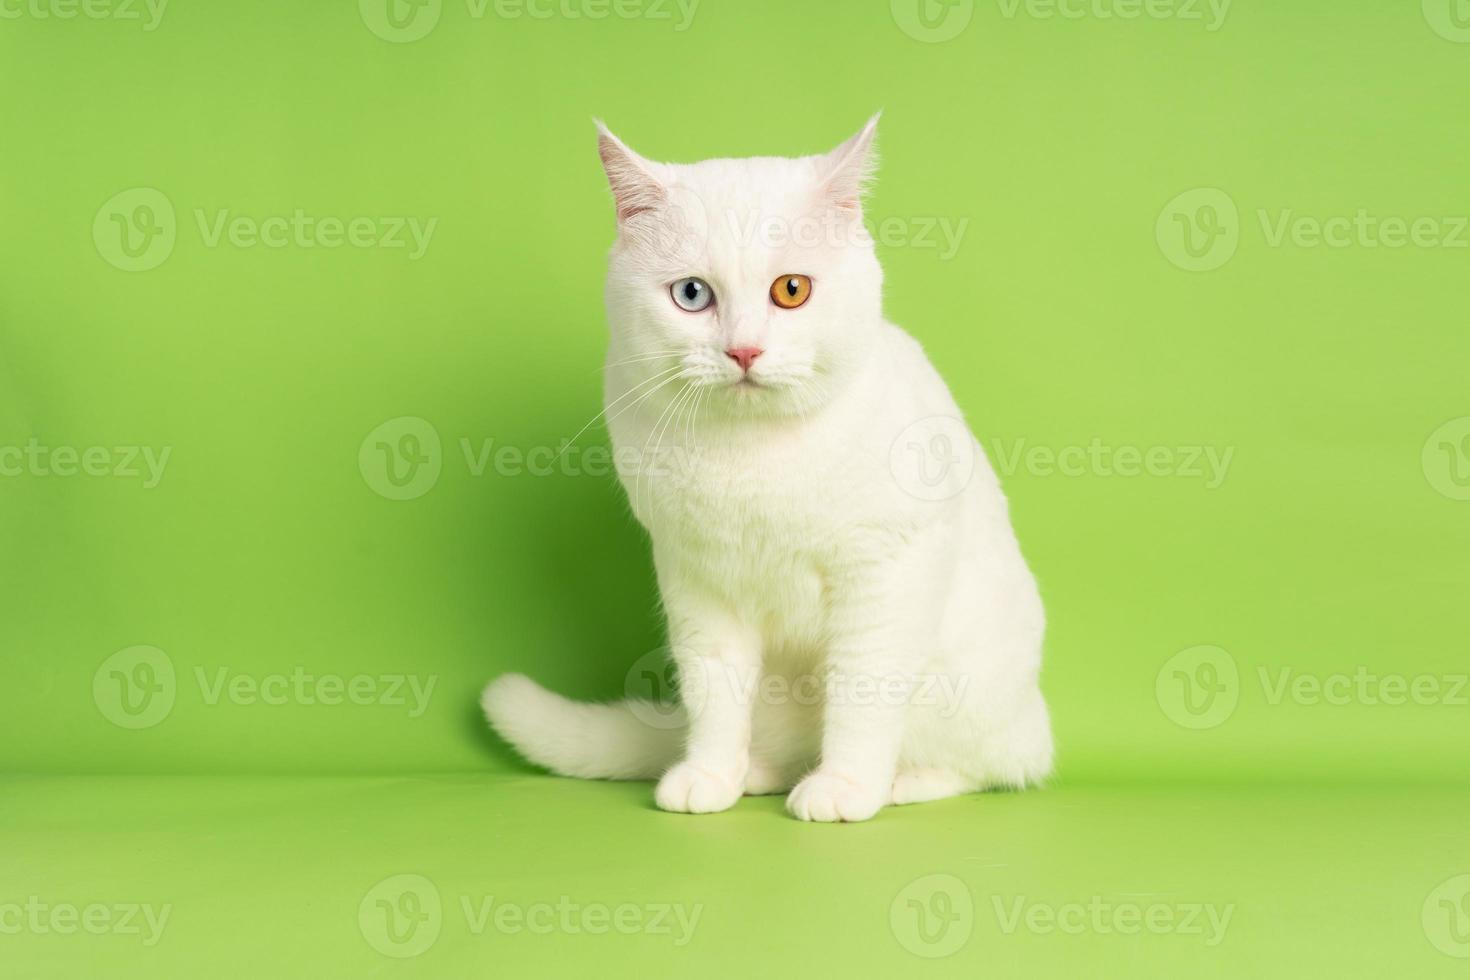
848 609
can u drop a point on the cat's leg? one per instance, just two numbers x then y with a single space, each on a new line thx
769 779
718 660
1019 753
925 785
869 658
786 731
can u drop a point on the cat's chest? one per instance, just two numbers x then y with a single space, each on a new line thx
759 503
764 530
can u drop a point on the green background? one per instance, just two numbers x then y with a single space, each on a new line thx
1335 542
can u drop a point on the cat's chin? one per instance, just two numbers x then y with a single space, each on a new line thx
752 392
751 400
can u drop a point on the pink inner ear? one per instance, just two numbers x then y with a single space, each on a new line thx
635 191
626 211
848 204
851 181
853 165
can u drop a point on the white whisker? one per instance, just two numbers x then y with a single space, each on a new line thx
644 397
656 430
662 374
641 359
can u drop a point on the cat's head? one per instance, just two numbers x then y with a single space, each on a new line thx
755 278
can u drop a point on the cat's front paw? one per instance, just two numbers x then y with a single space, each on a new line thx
688 788
828 797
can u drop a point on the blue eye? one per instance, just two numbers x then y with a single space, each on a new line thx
692 294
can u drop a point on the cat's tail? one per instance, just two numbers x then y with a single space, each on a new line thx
623 740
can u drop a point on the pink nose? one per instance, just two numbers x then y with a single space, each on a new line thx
744 356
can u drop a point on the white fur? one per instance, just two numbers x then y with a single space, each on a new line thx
787 547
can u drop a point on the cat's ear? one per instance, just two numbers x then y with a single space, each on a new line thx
635 183
849 169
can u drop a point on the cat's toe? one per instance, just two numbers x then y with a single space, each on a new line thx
829 798
688 788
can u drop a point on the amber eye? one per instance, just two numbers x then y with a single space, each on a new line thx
789 292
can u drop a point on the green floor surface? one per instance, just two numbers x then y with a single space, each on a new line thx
523 875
